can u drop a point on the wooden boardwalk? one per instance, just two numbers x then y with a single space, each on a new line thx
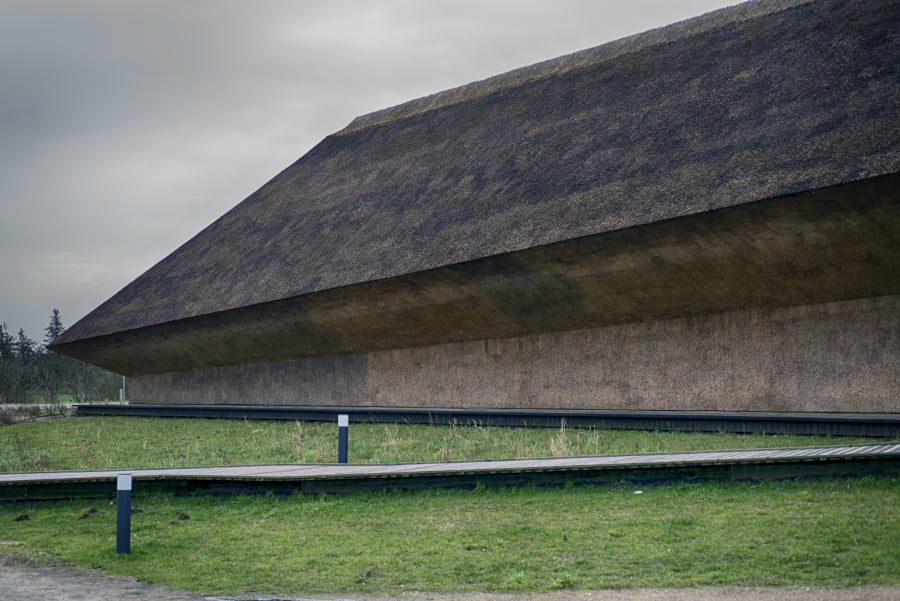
753 464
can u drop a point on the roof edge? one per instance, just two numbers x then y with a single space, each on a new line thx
716 19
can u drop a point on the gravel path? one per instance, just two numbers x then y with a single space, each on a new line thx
29 581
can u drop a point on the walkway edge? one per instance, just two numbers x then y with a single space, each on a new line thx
886 425
743 465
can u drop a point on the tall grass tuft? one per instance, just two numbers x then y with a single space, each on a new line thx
559 444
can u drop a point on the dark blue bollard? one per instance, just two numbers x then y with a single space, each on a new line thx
343 427
123 514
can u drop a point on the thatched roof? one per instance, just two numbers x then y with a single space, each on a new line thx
748 103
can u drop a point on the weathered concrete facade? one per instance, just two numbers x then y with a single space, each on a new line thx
839 356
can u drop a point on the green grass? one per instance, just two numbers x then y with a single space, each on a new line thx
829 532
129 442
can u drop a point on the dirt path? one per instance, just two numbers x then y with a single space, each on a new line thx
28 581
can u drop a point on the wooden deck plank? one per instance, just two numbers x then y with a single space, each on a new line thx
300 471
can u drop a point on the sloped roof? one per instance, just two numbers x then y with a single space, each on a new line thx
752 102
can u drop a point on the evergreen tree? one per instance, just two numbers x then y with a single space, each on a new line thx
7 343
24 346
55 329
7 363
53 371
19 371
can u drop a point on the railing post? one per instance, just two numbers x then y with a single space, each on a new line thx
343 427
123 514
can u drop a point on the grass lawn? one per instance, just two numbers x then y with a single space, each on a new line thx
827 532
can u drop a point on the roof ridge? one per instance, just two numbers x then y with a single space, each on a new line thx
581 59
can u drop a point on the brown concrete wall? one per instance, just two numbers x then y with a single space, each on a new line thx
318 381
842 356
831 357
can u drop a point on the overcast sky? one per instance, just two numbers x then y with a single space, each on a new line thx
126 127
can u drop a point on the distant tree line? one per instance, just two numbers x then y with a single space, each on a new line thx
31 373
